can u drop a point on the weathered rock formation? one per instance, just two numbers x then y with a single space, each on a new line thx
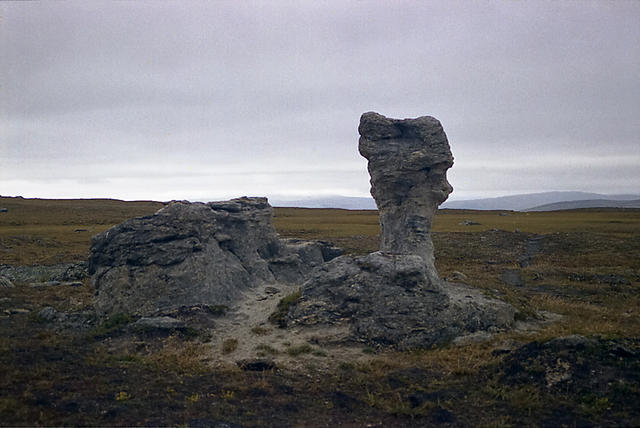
408 163
395 297
388 300
190 254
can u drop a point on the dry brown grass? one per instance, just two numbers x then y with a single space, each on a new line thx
46 231
578 244
178 356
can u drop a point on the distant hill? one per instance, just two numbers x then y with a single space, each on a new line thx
591 203
525 202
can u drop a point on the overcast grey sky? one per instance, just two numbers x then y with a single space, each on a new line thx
188 100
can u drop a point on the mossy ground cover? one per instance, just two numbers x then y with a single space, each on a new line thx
586 268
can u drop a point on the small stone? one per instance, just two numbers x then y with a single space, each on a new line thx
159 323
14 311
468 223
47 314
6 282
271 290
74 283
45 284
577 277
329 252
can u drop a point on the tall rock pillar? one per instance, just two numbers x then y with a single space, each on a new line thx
408 163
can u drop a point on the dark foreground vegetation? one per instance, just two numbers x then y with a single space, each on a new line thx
60 366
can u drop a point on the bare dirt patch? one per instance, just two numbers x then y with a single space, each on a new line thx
247 322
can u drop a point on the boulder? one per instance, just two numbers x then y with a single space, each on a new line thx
189 254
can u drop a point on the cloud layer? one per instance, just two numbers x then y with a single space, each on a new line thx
166 100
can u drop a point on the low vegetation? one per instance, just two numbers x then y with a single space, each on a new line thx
229 345
279 317
582 265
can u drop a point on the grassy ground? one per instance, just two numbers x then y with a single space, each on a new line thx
45 231
581 264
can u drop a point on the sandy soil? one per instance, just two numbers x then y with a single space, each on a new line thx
248 323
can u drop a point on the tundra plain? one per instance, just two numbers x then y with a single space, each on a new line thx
579 267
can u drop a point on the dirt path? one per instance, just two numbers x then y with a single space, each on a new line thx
246 333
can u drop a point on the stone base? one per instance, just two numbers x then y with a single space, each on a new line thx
388 300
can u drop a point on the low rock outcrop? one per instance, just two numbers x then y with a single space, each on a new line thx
62 273
395 297
388 300
190 254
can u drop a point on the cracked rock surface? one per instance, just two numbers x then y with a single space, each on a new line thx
408 163
191 254
388 300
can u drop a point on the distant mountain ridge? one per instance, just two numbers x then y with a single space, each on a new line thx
530 201
593 203
545 201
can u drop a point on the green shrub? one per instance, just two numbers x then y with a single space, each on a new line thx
264 349
300 349
279 317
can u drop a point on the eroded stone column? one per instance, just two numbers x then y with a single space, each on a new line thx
408 163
